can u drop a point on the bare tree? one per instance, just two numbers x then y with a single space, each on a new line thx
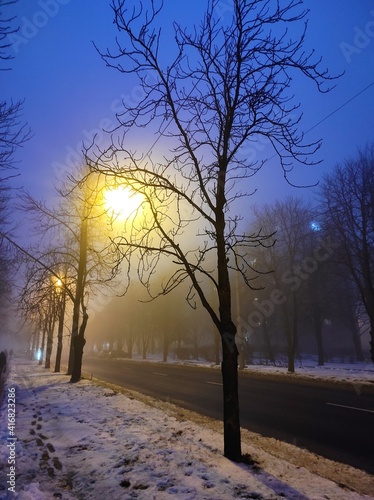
80 251
289 221
38 297
224 86
348 202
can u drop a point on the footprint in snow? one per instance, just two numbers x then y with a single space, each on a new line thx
57 464
50 447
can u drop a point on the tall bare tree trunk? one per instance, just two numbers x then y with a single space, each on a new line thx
231 421
268 346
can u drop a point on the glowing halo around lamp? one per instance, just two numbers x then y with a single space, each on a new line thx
121 201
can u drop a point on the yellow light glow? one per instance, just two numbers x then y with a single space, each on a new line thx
121 201
58 282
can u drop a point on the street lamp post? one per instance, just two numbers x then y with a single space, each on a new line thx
61 316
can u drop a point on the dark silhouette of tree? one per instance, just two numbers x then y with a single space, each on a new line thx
347 196
224 86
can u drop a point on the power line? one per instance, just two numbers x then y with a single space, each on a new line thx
324 119
340 107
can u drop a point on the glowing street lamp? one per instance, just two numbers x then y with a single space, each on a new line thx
121 201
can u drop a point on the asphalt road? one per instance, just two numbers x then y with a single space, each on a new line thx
334 422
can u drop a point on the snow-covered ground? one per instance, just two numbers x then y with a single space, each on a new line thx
357 373
91 441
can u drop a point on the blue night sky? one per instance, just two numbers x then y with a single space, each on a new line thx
69 93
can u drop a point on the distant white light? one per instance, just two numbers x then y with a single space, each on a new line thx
315 226
38 355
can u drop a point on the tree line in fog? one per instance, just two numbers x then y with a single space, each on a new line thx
310 294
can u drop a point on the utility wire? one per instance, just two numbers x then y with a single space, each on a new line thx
340 107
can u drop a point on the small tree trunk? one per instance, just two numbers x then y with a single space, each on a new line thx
292 336
290 355
291 350
318 332
165 347
268 346
145 345
372 339
290 347
42 348
130 344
